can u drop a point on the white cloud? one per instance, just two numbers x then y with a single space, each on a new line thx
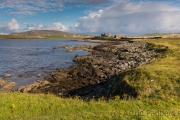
123 17
55 26
132 18
11 26
34 27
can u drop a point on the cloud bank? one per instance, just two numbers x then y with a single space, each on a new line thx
9 27
133 18
130 18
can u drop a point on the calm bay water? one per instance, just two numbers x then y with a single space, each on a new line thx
26 58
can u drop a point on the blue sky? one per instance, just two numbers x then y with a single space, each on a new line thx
130 17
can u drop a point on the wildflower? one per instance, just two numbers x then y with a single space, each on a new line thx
152 80
12 106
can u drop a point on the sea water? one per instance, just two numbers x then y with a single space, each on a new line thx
25 58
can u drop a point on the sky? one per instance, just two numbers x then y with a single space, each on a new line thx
129 17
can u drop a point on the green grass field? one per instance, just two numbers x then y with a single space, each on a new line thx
18 106
158 95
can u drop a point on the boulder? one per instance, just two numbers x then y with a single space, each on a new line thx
38 75
7 75
8 86
2 82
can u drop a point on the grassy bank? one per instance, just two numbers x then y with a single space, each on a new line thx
159 79
157 86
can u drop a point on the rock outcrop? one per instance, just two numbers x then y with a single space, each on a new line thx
6 86
95 72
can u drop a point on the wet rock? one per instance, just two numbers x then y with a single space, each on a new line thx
6 86
38 75
66 47
59 76
34 87
7 75
69 50
9 86
58 47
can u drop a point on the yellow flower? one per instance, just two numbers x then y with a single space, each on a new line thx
12 106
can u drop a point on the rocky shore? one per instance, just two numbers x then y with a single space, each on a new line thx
6 85
95 73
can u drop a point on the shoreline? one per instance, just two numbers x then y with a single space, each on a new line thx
94 73
26 72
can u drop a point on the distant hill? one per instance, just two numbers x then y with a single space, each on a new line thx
165 35
42 33
157 34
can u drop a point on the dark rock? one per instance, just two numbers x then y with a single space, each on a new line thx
95 72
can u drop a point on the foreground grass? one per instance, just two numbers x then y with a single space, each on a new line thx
19 106
158 95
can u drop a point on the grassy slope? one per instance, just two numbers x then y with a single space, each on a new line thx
18 37
36 37
160 79
160 100
60 37
157 34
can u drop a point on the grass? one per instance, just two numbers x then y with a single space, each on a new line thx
37 37
55 37
157 86
157 34
18 37
159 79
19 106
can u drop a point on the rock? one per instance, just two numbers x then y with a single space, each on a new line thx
95 72
99 73
7 75
38 75
9 86
21 89
69 50
60 94
59 76
6 86
66 47
60 70
34 87
58 47
2 82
